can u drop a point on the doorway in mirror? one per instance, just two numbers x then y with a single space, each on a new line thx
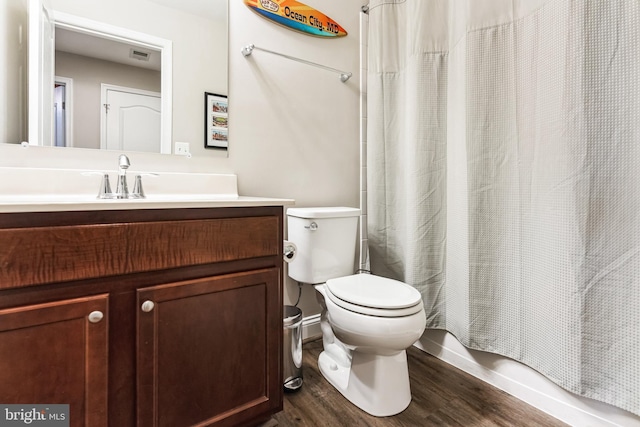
130 119
63 111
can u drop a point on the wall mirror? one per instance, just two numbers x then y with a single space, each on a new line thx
112 84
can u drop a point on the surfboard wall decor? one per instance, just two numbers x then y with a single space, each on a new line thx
297 16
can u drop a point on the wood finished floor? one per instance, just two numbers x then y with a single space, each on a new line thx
442 396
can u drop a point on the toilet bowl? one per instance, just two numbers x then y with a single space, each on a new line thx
365 346
367 321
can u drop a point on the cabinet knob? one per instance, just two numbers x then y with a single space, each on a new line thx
95 316
147 306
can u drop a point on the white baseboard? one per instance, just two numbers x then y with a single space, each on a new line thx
525 384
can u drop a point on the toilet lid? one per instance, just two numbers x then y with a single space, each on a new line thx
378 293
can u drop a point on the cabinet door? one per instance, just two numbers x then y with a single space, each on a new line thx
209 350
56 353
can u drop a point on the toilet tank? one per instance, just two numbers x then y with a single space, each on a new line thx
326 242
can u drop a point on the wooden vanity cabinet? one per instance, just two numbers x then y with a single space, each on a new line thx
169 317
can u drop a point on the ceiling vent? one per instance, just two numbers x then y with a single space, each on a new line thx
139 54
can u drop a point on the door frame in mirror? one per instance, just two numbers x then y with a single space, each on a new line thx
103 30
40 72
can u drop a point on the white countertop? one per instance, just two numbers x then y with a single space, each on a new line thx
61 203
51 190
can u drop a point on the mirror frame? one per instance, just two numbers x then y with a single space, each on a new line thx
107 31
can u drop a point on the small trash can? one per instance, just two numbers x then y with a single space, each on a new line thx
292 348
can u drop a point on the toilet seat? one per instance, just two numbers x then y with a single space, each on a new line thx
374 296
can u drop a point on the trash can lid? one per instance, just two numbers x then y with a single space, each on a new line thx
291 315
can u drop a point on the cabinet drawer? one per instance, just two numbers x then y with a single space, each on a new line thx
30 256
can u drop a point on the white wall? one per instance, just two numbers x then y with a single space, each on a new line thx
294 128
297 123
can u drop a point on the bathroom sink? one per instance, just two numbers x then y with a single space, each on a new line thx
42 190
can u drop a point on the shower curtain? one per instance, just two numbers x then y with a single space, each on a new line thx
503 178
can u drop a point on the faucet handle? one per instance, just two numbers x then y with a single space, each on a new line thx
138 192
105 188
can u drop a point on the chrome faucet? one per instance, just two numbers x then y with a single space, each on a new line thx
122 191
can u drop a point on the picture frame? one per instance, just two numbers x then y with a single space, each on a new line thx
216 121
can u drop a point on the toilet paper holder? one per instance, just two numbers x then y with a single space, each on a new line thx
289 251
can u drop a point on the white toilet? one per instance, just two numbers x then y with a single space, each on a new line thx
367 321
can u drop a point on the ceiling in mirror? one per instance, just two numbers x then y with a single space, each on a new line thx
107 50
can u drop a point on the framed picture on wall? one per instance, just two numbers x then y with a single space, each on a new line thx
216 117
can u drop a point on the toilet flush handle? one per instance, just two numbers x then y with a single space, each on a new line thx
313 226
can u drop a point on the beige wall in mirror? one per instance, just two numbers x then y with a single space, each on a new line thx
197 29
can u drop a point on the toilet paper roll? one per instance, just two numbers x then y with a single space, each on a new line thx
290 251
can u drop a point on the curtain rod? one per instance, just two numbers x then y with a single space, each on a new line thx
248 50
